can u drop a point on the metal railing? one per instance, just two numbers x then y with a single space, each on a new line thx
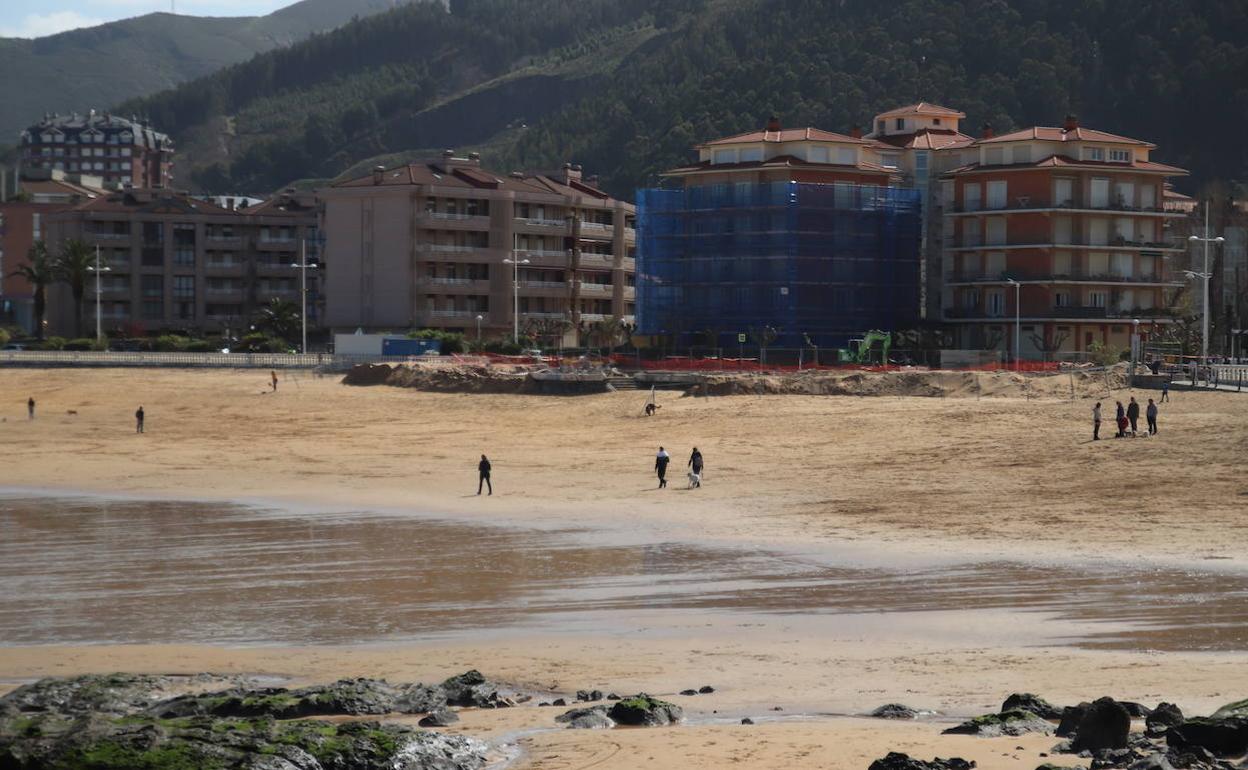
330 361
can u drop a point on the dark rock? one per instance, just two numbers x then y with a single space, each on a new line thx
1105 725
91 694
706 689
1005 723
439 718
1051 766
472 689
1136 710
688 692
419 698
1165 716
644 710
1071 716
543 703
1221 737
895 711
588 696
368 374
612 696
1155 761
897 761
348 696
592 718
1025 701
1237 709
747 721
1102 759
558 702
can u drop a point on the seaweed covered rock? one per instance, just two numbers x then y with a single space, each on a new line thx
89 694
895 711
471 688
1165 716
1015 722
1105 724
897 761
592 718
645 711
439 718
1025 701
1226 737
1238 708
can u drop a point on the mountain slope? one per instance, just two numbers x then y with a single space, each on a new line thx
100 66
627 87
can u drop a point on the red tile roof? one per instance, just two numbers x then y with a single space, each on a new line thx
786 135
152 202
1061 161
57 187
922 108
1052 134
454 176
928 139
780 161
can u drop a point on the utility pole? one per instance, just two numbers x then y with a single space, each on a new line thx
515 263
1204 327
1018 287
574 264
99 333
303 289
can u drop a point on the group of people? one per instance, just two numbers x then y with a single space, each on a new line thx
139 416
1126 419
695 464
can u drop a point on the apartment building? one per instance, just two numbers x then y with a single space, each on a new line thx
39 193
424 245
180 263
119 151
802 230
1070 221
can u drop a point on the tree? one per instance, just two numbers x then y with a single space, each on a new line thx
73 266
763 336
547 329
610 332
39 271
1051 344
279 318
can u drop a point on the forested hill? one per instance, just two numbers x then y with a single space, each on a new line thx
98 66
625 87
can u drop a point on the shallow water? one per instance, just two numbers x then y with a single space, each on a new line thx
85 570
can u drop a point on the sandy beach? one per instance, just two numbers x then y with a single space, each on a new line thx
885 480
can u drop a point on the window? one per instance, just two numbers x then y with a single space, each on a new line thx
1098 232
935 121
997 194
1063 192
900 124
1100 193
846 156
996 303
995 231
993 156
36 225
1096 299
920 167
724 156
1093 153
1061 263
889 160
751 154
184 287
1148 197
1061 299
970 197
1022 154
1120 156
880 126
994 264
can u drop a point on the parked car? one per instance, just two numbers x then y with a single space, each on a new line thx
16 346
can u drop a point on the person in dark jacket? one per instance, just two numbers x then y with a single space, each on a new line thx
30 407
660 466
1096 422
1120 420
695 461
483 468
1151 414
138 420
1133 414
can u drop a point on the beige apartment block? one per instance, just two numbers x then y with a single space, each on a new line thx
423 246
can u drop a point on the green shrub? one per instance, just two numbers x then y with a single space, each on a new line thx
171 343
259 342
1105 355
452 342
5 337
201 346
54 343
82 343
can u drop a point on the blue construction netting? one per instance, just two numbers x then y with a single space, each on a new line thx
822 261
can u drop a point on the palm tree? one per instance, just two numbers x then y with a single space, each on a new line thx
279 318
610 332
73 266
39 271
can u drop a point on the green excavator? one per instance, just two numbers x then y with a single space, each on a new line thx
864 350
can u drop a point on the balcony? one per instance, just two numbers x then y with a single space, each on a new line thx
217 264
456 313
480 221
1026 205
451 248
224 291
979 276
456 285
596 288
562 285
224 239
544 253
1117 244
543 315
1074 312
107 236
562 224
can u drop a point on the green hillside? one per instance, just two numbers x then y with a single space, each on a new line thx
626 87
103 65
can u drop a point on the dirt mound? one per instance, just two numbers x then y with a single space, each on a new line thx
942 384
440 379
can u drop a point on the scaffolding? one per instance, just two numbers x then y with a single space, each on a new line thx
820 263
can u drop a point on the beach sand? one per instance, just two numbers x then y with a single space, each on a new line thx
889 476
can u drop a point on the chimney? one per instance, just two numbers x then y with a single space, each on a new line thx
856 132
987 131
378 173
517 175
592 181
773 124
475 157
448 154
1072 122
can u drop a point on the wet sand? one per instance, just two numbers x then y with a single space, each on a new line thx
948 552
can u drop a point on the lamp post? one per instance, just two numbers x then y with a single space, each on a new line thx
1018 287
515 289
1204 326
303 266
99 333
479 317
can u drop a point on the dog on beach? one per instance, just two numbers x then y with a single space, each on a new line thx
695 479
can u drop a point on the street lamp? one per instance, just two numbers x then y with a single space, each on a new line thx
1204 326
1018 287
515 295
303 266
99 333
479 317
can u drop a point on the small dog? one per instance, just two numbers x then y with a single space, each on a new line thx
695 479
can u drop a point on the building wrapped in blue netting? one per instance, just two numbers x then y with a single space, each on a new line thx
820 263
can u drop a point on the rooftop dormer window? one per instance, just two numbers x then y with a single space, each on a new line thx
935 121
1119 156
901 124
751 154
819 155
724 156
881 126
1094 153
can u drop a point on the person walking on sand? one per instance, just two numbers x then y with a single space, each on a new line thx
273 375
1133 414
1120 420
1096 422
695 461
1165 392
660 466
483 468
1151 414
138 420
30 408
